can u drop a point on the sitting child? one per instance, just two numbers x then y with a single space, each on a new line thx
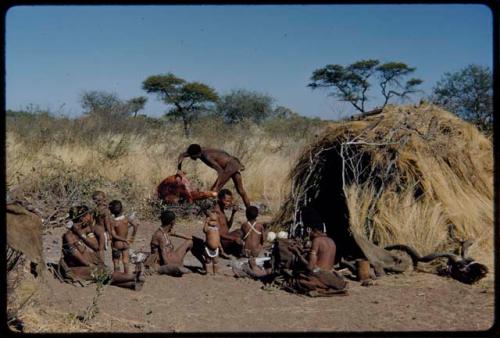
119 235
213 246
253 233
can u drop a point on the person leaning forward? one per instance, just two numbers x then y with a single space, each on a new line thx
227 167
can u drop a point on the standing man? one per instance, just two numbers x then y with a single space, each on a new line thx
227 167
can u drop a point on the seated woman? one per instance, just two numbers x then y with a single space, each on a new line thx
80 261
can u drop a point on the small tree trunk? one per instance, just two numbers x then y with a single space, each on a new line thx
187 128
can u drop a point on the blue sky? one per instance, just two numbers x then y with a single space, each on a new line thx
54 53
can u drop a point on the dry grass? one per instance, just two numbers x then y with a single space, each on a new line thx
129 165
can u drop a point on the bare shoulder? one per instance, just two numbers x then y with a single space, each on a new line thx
156 235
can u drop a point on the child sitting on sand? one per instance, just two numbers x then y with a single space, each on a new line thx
213 247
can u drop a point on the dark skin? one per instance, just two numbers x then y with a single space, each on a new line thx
119 233
83 228
161 241
175 188
226 166
81 259
253 241
322 252
103 224
227 238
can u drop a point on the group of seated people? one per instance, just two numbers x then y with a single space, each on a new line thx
91 232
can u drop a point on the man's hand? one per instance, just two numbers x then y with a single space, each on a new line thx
235 208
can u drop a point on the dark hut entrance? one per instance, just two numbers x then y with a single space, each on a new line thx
330 202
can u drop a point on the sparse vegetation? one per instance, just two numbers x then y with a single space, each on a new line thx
128 162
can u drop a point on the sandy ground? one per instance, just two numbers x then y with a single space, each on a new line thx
413 301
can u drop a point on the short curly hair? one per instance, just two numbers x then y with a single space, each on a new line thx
194 150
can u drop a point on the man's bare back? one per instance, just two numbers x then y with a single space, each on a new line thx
227 167
325 249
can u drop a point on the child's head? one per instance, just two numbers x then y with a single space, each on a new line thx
252 213
115 207
167 218
225 197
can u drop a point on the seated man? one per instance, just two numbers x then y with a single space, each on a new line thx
164 258
176 189
231 241
319 277
80 263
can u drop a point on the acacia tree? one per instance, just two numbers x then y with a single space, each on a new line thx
136 104
188 100
352 83
468 93
242 104
390 75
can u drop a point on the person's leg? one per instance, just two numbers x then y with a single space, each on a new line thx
229 244
121 277
215 266
238 184
198 251
223 178
116 255
125 260
181 251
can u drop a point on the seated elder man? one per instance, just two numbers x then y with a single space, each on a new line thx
81 262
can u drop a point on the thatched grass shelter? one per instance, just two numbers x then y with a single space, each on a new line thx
415 175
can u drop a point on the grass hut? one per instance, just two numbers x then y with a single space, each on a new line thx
414 175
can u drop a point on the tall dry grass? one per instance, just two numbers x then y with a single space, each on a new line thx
129 163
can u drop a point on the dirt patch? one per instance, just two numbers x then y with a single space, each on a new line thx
411 301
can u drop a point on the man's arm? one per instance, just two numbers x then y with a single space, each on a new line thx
78 231
115 236
231 219
313 255
78 256
176 234
237 240
135 226
103 210
181 157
